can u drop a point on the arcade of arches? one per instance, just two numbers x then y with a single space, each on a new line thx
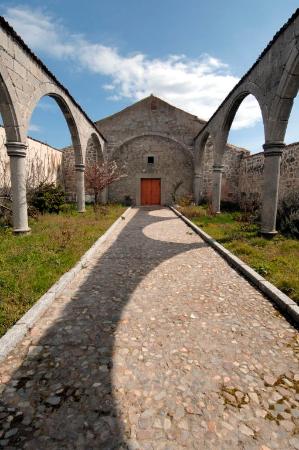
153 140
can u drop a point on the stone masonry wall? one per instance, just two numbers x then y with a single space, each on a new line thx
149 115
171 164
43 162
69 174
251 174
233 157
151 127
230 178
93 153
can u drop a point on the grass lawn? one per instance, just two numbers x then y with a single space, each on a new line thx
277 259
30 264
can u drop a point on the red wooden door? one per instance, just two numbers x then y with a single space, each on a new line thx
150 191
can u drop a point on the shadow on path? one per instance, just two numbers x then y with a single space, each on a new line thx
61 396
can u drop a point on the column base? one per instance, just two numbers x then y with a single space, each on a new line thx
82 211
22 231
268 234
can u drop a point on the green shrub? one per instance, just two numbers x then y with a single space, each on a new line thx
68 209
288 215
47 198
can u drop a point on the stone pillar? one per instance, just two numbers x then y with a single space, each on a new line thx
216 189
272 152
197 188
80 187
17 155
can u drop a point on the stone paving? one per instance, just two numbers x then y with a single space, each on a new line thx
157 344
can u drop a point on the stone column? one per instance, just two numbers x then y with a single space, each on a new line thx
216 189
80 187
197 187
17 154
272 152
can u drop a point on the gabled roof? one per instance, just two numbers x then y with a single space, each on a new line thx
146 100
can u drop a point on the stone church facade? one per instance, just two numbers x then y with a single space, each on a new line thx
153 140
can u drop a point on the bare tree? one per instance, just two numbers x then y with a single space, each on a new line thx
99 175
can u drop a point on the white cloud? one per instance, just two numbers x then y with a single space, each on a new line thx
195 85
40 31
248 114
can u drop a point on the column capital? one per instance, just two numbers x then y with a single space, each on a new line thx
18 149
79 167
218 168
273 148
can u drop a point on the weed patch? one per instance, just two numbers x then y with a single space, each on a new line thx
277 259
30 264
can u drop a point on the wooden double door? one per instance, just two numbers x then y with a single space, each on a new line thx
150 191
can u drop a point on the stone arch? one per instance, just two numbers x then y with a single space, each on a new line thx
161 135
9 109
50 90
67 113
94 151
224 126
199 150
233 106
284 99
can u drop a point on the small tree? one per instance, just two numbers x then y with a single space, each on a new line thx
99 175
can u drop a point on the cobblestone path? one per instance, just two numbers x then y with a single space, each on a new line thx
158 344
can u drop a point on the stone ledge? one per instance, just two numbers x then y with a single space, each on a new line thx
284 303
17 332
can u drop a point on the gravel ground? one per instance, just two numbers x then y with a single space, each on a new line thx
157 344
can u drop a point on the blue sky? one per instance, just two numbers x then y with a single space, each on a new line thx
110 54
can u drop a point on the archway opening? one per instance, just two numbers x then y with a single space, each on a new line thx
288 194
243 156
47 124
292 132
53 144
10 131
